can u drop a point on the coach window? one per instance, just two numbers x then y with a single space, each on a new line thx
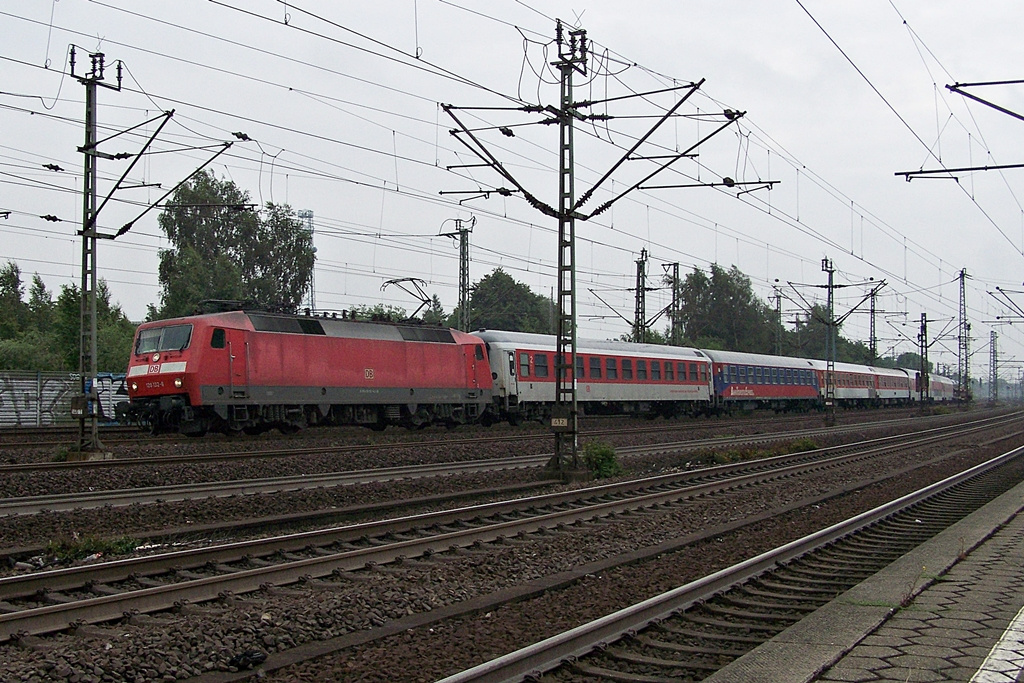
704 372
789 376
611 365
656 370
694 369
757 373
595 367
734 374
217 340
524 365
775 375
743 374
681 372
669 374
581 371
540 364
627 368
641 369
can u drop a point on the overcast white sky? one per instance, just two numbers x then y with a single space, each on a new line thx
345 122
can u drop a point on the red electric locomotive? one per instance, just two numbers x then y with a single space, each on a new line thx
252 371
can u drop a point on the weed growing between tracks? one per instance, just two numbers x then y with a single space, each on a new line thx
599 458
66 550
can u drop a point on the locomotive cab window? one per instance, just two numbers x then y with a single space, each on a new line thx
479 352
169 338
217 339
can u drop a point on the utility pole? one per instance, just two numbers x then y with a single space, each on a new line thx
675 331
830 347
572 56
640 315
922 343
307 215
462 232
778 318
964 380
993 370
873 342
86 406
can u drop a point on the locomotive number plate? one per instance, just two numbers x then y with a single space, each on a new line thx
368 373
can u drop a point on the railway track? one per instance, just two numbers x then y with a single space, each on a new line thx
18 438
42 602
160 494
693 631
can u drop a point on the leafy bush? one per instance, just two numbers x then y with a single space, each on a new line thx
599 458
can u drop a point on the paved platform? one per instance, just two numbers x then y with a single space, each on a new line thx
963 619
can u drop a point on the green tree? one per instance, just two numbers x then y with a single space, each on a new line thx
499 302
13 311
434 313
114 332
722 310
223 250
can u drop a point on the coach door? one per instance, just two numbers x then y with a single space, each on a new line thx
238 363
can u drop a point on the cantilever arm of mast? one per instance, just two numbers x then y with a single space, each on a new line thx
480 151
1009 301
692 86
604 207
874 290
166 117
958 88
625 157
128 226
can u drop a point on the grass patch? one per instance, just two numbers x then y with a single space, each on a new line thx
731 455
78 548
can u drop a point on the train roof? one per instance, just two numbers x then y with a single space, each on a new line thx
547 341
348 328
741 358
856 367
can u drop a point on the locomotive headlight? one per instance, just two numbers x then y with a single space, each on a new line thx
177 383
156 357
135 386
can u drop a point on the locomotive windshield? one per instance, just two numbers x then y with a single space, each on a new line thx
170 338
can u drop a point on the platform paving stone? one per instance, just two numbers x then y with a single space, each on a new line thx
965 587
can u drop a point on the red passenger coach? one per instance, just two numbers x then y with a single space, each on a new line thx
249 371
611 377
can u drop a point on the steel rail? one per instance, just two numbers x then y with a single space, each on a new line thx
60 616
534 660
122 497
355 448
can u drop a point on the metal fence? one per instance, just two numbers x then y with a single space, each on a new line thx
36 399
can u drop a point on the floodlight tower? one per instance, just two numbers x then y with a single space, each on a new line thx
307 215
